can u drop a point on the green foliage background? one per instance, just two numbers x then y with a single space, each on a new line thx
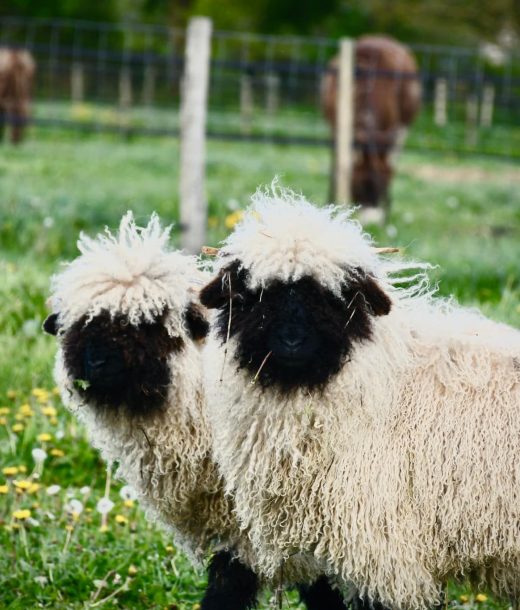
447 21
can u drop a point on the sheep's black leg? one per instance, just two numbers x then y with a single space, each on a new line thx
321 596
231 585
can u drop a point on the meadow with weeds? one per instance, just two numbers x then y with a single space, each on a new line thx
71 536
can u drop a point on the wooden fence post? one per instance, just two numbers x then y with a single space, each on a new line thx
273 93
440 102
125 88
344 122
148 84
77 83
246 102
194 94
486 108
471 120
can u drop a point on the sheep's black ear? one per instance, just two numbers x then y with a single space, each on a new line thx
51 324
198 326
216 293
229 282
377 299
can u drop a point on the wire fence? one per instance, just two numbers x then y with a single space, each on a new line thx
127 78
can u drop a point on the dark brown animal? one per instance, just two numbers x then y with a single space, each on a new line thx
17 68
387 98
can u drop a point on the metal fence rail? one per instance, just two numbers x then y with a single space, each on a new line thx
127 78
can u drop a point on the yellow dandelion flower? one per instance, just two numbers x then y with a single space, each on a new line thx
233 218
49 411
55 391
35 505
481 598
103 528
26 410
132 570
15 526
22 514
24 485
22 468
3 421
75 516
18 427
39 392
196 607
121 519
4 489
5 410
19 417
69 528
12 394
464 599
129 503
33 488
88 509
53 421
169 549
44 437
10 471
57 452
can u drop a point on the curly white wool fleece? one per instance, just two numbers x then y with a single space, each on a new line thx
166 456
404 471
131 273
282 236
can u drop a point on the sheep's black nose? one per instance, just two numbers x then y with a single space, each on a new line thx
103 364
292 339
292 343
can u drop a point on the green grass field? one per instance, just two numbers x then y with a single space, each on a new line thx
463 216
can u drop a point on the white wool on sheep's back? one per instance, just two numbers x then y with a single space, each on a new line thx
404 472
132 273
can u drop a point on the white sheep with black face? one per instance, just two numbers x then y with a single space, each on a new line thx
374 428
129 367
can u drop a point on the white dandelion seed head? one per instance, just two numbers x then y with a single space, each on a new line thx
85 490
52 490
74 507
104 506
39 455
127 492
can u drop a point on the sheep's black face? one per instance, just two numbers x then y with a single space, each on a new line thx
293 335
292 339
115 364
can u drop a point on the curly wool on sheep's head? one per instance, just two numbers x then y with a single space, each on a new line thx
284 237
118 355
133 273
294 328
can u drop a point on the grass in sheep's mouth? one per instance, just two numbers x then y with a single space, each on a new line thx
53 188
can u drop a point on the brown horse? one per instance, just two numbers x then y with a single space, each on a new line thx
17 68
387 98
